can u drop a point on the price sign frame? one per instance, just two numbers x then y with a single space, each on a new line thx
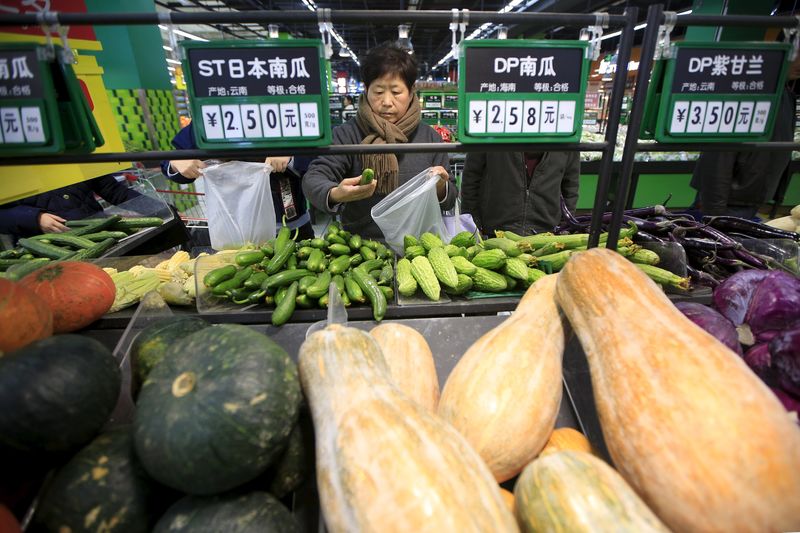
468 99
46 103
712 105
268 103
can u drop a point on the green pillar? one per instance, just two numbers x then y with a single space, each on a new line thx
136 76
727 7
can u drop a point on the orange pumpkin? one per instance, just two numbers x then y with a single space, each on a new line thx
567 439
410 362
24 317
693 430
77 293
508 497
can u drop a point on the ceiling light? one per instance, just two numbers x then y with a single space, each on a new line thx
183 34
637 27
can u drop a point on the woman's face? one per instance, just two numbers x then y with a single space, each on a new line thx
389 97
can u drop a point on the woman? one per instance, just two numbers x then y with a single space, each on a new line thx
389 113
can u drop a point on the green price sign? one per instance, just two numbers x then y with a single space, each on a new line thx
42 107
450 101
448 117
716 92
521 90
432 101
430 117
257 93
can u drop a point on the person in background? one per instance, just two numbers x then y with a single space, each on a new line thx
389 112
49 211
287 193
519 191
348 103
738 183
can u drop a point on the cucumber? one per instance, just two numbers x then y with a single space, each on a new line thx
218 275
5 263
17 272
366 176
44 250
281 279
64 239
102 235
370 287
95 251
320 286
138 223
93 225
285 308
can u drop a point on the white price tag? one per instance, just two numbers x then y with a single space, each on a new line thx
728 117
232 122
309 119
713 117
212 122
270 120
697 114
531 116
744 118
476 121
290 120
549 116
680 116
12 125
760 116
513 117
32 124
566 117
251 120
496 115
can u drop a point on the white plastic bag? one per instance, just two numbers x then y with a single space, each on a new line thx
238 204
411 209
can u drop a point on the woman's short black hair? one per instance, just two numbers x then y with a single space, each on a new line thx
388 58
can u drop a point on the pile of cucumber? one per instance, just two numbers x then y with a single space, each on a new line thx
288 274
86 239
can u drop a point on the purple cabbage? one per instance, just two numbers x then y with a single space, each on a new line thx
759 360
714 323
785 351
775 304
732 296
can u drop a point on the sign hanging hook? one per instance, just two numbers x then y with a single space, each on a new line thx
67 55
793 36
593 34
49 51
664 48
459 24
325 25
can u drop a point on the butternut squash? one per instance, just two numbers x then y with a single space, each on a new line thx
504 393
384 463
689 426
410 362
567 439
577 492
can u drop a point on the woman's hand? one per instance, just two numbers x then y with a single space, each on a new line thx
441 185
349 190
188 168
50 223
278 164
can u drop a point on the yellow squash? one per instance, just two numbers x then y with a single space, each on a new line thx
577 492
383 462
410 362
567 439
689 426
504 393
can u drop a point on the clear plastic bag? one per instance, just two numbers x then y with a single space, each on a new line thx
238 204
411 209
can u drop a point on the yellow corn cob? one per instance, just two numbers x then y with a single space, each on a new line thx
110 271
176 259
130 291
190 287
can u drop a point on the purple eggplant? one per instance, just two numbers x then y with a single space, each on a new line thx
713 322
785 351
775 305
732 296
759 360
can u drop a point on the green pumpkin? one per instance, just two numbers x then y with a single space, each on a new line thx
295 463
217 411
255 512
102 488
56 393
152 343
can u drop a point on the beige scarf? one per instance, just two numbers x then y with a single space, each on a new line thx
381 131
